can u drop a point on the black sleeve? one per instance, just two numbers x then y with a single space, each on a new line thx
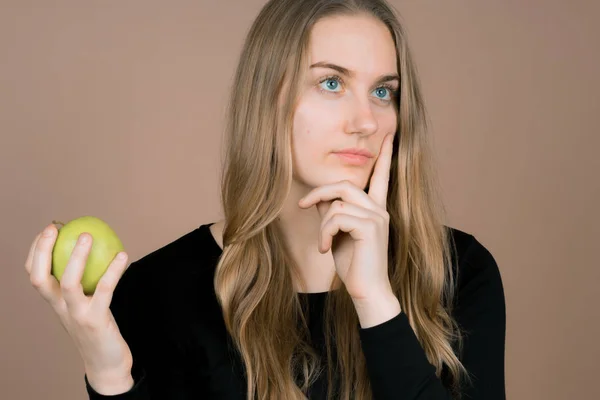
396 362
140 317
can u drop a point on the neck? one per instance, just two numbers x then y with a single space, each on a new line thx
300 228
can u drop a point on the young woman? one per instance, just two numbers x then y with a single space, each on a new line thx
332 274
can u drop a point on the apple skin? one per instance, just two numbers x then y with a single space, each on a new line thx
105 246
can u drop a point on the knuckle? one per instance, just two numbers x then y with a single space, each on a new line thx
81 248
83 321
69 287
78 256
45 242
104 285
385 217
327 221
60 307
36 281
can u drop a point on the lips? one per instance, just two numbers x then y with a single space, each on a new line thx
356 152
353 159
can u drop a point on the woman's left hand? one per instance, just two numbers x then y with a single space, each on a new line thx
356 228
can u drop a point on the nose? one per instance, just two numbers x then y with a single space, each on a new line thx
361 117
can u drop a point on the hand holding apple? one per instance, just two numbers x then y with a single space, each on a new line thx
86 318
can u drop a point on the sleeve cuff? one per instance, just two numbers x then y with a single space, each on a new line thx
139 391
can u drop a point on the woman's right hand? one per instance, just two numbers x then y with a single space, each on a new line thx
87 319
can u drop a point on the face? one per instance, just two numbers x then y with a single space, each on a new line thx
348 108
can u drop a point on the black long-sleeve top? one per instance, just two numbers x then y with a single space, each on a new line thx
167 311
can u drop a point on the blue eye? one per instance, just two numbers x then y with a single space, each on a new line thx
383 89
331 83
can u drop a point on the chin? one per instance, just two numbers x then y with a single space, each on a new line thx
355 178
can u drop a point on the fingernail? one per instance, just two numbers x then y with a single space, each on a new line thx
48 231
121 256
83 239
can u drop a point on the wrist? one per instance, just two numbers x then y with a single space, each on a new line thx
377 310
109 383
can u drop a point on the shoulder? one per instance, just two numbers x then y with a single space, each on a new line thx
190 253
470 256
477 274
175 273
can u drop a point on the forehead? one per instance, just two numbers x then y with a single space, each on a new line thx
359 42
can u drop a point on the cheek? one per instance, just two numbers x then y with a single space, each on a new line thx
318 115
388 121
313 126
308 149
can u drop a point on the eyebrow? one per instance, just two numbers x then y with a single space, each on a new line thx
351 74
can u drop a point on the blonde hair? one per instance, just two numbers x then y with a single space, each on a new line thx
253 279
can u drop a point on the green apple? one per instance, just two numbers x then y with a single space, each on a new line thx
105 246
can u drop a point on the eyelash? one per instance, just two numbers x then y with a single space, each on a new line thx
393 90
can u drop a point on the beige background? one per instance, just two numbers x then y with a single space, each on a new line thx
115 109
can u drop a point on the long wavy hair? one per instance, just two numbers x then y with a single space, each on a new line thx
253 280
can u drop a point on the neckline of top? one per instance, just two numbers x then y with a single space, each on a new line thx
214 243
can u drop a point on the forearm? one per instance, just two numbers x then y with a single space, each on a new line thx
396 363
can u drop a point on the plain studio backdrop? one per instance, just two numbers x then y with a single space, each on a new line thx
116 109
